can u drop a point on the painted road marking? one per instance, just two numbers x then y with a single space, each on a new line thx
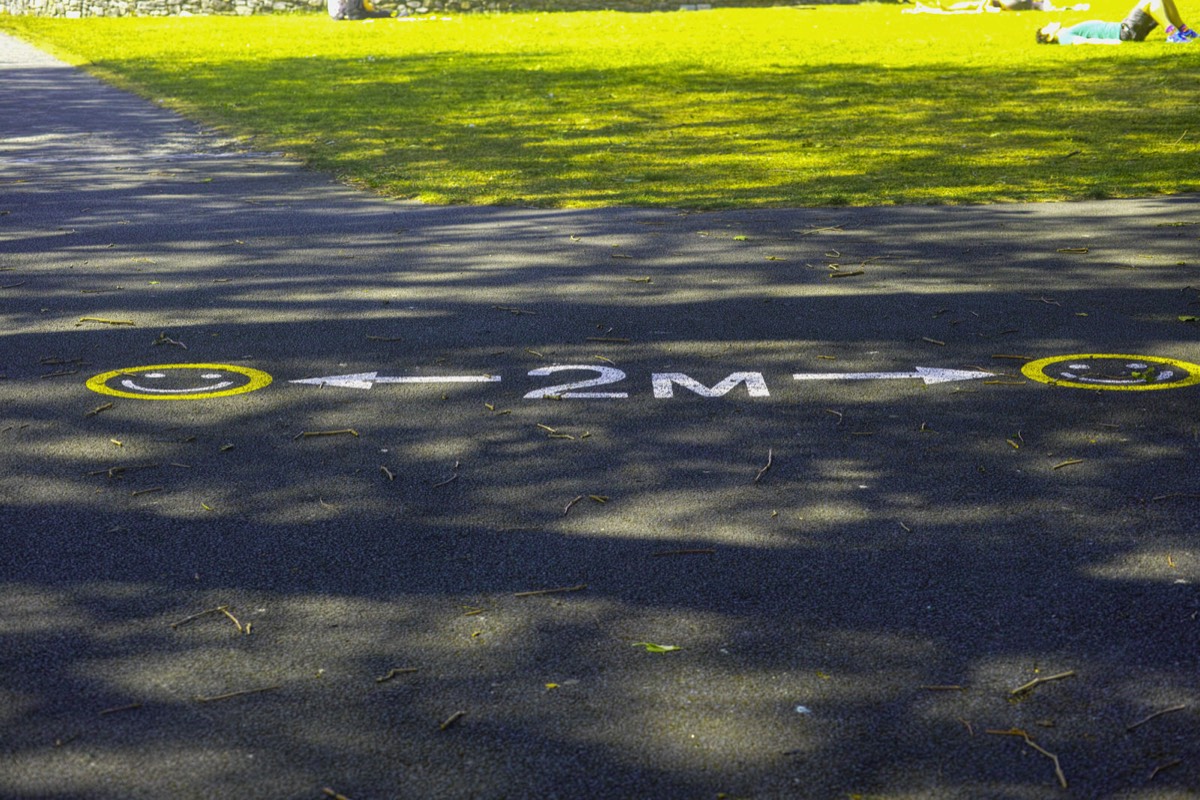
1113 372
1104 371
179 381
927 374
365 380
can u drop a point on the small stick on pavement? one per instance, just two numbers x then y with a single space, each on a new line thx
227 696
763 471
1173 763
1025 687
536 592
390 475
310 434
104 321
943 688
1062 778
450 720
119 709
394 672
234 619
567 508
1069 463
331 793
196 616
99 410
1156 714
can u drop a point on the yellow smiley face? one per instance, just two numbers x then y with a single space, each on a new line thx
179 381
1113 372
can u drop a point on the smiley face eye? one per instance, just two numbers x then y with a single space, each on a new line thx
1079 366
1137 365
212 376
155 375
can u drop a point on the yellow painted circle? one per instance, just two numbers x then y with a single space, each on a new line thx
179 381
1113 372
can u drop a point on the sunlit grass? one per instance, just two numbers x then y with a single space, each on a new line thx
764 107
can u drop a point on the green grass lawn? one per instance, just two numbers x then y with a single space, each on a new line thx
859 105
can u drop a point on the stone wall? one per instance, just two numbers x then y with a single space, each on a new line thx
164 8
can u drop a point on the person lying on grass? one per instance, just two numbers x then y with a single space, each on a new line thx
1143 18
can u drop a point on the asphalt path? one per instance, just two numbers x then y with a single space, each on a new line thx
714 580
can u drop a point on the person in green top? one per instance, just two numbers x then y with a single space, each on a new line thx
1143 18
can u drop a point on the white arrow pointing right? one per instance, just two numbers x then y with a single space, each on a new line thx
927 374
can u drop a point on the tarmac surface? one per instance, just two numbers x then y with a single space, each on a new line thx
625 552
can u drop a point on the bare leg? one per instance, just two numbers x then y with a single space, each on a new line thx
1162 9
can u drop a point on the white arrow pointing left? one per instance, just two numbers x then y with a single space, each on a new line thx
927 374
365 380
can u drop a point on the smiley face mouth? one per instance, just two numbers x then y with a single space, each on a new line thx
1137 373
214 387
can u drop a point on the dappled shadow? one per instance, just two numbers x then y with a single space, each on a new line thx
851 619
494 121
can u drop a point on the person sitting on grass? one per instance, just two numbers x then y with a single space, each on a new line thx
1143 18
355 9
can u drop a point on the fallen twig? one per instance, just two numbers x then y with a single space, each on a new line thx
104 321
119 709
310 434
99 410
559 590
1155 715
1172 763
228 695
1025 687
453 718
234 620
763 471
1058 772
198 615
567 508
391 673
